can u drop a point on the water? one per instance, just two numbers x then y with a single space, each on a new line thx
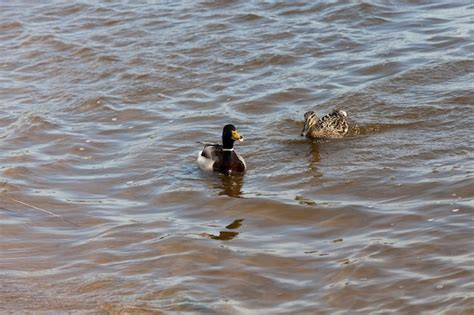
104 210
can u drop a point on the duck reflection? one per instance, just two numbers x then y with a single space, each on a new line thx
224 235
230 186
228 235
314 158
314 150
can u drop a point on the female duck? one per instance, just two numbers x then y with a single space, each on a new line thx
222 158
332 125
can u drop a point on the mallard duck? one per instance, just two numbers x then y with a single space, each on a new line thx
221 157
332 125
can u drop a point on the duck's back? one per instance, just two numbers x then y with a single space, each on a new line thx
333 125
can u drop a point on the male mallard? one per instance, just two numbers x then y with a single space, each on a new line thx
332 125
223 158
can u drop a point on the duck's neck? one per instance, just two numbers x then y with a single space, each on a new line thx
227 144
315 132
228 147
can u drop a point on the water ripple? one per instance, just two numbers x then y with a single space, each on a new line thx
102 206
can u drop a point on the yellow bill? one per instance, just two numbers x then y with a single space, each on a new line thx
236 136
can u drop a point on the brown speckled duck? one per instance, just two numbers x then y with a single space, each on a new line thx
332 125
221 157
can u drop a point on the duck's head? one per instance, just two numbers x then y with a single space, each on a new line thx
229 135
310 119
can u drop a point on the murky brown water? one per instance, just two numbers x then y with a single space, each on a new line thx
101 106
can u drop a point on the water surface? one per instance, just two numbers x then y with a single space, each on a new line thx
104 210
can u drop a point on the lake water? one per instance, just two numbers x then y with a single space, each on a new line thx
103 209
